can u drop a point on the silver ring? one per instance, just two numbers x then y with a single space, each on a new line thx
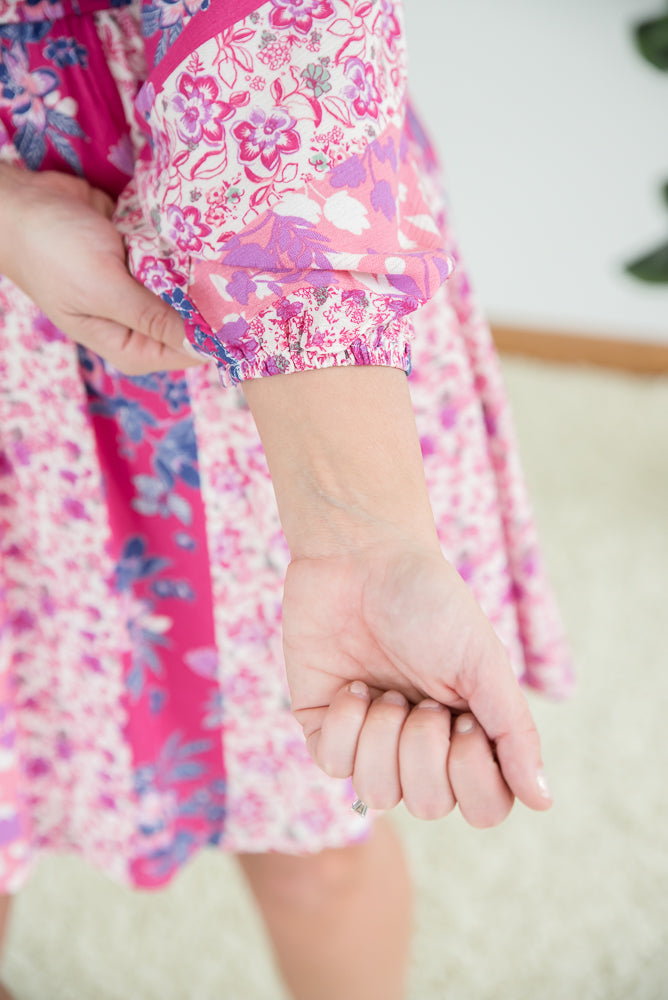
360 807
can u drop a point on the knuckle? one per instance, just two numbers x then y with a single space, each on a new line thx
431 809
156 323
489 817
386 713
333 766
381 799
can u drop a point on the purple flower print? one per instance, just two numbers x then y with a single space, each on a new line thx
155 275
349 174
266 137
200 114
185 228
241 287
299 14
37 767
390 25
362 89
145 100
24 90
22 621
382 199
275 365
173 11
404 283
75 509
233 336
203 660
10 828
360 352
301 242
122 156
286 310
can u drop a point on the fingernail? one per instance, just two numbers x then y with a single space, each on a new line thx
543 786
359 689
464 724
393 698
433 706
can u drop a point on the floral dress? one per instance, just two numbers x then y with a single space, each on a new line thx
273 185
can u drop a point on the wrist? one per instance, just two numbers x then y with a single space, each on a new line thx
330 503
345 459
14 188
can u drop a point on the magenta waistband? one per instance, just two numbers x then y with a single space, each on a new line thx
204 25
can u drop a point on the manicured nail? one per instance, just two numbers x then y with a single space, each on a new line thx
433 706
543 786
464 724
359 689
393 698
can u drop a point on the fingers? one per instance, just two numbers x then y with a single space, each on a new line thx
336 745
131 353
101 202
483 796
394 751
499 705
423 752
376 773
129 304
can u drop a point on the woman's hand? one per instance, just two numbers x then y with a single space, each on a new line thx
400 620
58 245
370 601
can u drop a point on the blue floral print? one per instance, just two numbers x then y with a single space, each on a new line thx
23 91
66 52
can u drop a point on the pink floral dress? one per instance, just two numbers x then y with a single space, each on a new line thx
275 187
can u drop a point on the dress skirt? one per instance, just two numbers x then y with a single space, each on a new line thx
144 712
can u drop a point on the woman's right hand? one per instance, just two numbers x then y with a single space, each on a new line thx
58 244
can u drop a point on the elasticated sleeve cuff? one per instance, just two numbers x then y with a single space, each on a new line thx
277 202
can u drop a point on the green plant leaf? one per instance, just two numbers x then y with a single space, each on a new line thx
652 40
664 190
652 267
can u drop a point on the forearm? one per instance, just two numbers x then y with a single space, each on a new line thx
344 457
13 185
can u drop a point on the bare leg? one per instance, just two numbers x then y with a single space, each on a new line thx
5 904
340 921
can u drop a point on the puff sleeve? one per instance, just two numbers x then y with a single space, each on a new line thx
277 202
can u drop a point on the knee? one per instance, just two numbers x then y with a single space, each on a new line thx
310 883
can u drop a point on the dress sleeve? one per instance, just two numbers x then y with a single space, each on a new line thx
277 203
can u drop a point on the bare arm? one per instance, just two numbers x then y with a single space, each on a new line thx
369 597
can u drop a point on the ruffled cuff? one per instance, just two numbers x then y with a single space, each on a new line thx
309 329
278 203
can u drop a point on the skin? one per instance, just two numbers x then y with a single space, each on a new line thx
370 598
396 676
54 230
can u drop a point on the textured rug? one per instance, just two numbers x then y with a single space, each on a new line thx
571 904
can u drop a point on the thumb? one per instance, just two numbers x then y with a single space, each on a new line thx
503 711
129 304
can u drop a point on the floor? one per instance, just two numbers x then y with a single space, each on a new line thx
572 904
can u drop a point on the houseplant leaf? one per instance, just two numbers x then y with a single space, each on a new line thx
652 266
652 40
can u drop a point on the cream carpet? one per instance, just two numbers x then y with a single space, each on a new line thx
572 905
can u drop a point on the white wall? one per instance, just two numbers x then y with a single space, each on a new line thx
555 137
